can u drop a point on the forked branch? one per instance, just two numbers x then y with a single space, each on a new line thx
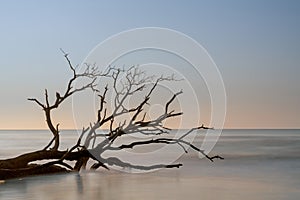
121 118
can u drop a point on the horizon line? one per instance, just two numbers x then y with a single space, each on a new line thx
296 128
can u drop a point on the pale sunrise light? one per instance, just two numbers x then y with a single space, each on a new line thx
254 45
150 99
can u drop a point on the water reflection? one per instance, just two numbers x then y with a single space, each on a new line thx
160 185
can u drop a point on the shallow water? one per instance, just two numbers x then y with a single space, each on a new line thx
259 164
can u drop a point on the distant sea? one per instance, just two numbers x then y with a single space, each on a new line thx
259 164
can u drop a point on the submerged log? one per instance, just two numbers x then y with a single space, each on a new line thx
30 171
20 166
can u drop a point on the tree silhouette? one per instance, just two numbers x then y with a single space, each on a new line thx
122 120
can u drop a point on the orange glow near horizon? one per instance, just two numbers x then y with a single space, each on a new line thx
260 69
246 120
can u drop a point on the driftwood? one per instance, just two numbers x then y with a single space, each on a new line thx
88 146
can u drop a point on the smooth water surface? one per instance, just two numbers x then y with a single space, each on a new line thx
259 164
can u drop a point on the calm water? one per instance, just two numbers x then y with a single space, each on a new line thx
259 164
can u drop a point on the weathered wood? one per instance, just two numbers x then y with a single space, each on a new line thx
30 171
90 148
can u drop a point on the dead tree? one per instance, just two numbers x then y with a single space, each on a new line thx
92 144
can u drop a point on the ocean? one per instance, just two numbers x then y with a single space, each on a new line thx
258 164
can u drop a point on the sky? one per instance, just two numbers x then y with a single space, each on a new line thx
255 45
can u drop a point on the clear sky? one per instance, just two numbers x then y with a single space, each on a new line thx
255 44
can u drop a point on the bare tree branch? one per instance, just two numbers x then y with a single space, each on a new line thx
37 101
121 118
118 162
90 72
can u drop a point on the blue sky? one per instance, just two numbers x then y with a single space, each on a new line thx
255 44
